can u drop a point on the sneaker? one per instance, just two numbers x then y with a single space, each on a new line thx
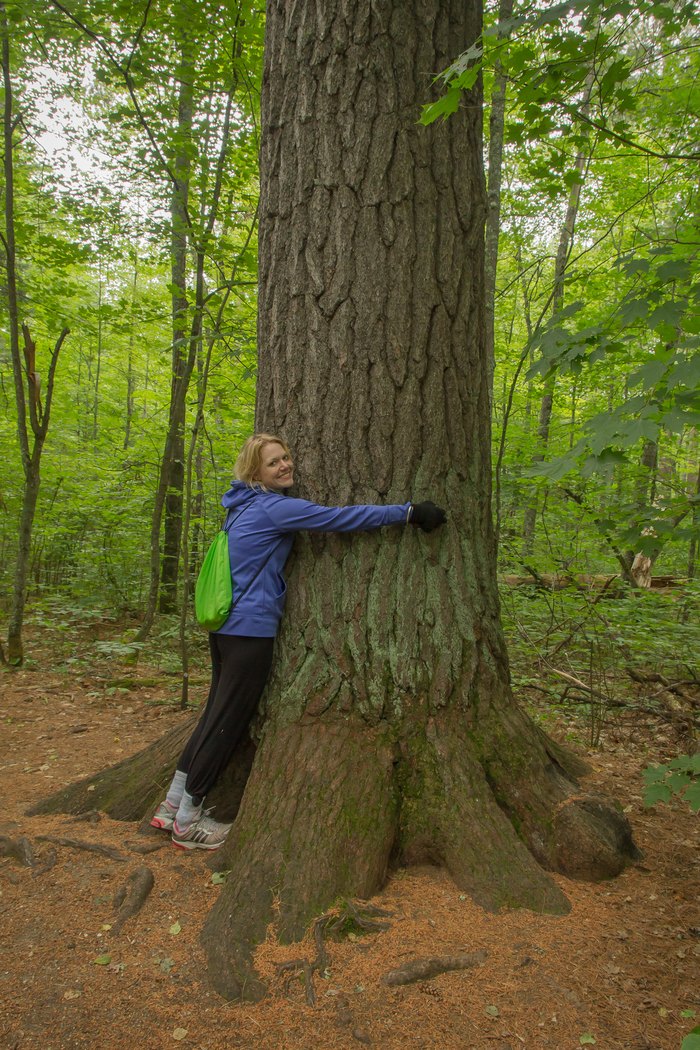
203 833
164 816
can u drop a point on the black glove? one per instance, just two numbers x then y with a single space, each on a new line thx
427 516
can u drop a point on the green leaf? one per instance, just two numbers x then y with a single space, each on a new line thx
103 960
657 793
219 877
692 1040
587 1039
692 796
175 929
444 107
686 372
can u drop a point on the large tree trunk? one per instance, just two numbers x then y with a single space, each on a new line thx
391 735
391 732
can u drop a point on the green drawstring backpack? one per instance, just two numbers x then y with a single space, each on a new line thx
213 592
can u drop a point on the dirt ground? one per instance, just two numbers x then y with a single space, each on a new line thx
622 970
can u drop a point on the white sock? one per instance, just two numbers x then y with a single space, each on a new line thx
176 789
187 812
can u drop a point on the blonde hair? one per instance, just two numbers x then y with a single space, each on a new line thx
249 460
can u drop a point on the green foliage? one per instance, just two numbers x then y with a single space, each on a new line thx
692 1040
680 778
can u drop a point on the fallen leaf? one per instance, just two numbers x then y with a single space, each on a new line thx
103 960
175 929
587 1039
72 993
179 1033
492 1011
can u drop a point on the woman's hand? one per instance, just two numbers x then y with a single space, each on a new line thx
427 516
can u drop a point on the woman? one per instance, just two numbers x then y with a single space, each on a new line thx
261 521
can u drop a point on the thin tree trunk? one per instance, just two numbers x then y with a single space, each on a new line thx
174 469
29 408
98 364
566 239
130 376
495 168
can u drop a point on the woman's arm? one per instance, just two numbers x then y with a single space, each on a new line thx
292 515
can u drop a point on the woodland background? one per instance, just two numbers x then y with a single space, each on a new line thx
128 329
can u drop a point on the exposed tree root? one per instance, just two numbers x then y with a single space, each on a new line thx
424 969
131 789
354 914
19 849
48 862
93 816
330 802
90 847
145 847
132 896
127 790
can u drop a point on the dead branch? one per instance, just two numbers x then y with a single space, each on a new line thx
424 969
130 899
91 847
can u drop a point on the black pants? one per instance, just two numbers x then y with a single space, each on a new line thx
240 667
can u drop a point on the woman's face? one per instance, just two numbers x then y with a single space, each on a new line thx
276 470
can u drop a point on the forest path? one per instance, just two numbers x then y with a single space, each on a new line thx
622 970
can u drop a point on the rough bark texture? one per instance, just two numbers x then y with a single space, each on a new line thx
391 733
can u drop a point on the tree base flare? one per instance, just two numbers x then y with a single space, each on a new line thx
332 804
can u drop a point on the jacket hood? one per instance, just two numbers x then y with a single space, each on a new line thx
238 496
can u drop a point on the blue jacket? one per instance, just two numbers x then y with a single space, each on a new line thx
261 527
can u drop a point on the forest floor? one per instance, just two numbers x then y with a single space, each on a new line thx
622 970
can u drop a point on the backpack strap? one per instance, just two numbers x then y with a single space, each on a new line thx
227 525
